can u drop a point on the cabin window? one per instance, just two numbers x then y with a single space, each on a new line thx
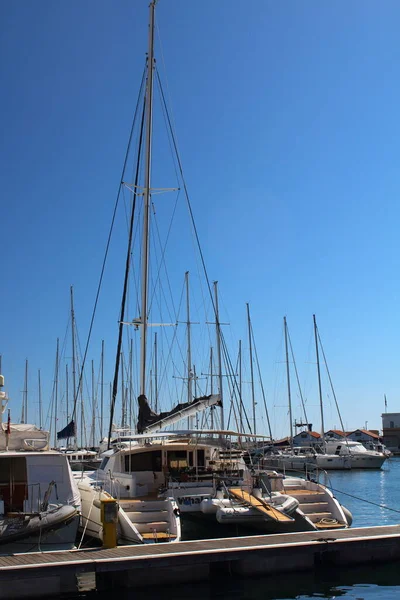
104 462
303 435
392 424
190 459
358 433
177 459
200 458
13 483
143 461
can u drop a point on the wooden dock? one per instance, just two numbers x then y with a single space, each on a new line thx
57 573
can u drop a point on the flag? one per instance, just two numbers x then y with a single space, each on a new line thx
67 432
8 430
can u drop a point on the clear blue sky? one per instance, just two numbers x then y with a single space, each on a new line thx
287 120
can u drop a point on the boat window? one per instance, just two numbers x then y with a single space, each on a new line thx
177 459
13 483
143 461
200 458
392 424
190 459
104 462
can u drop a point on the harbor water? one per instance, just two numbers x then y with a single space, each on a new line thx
365 493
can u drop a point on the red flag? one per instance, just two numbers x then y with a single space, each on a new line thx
8 430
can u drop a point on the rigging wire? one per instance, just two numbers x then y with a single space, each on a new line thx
107 249
128 261
297 374
330 380
365 500
261 381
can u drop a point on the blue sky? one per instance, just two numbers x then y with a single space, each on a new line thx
287 121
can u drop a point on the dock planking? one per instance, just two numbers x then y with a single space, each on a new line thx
195 560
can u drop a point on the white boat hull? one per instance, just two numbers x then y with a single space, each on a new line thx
55 529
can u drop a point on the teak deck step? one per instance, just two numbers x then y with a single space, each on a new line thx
319 515
260 505
158 535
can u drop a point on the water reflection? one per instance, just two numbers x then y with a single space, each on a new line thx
359 583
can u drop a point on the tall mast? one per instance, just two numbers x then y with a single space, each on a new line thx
26 391
56 394
253 400
123 393
24 413
130 382
195 394
73 355
155 373
147 201
40 400
319 384
67 391
240 389
218 333
102 390
93 409
212 386
189 349
288 382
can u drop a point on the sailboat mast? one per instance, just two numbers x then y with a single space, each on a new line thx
24 413
288 382
93 409
56 394
123 393
102 391
319 383
130 383
189 348
212 386
26 391
73 354
240 388
155 373
67 391
40 400
218 332
253 400
147 201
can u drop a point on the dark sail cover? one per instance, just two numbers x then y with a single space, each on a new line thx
67 432
148 417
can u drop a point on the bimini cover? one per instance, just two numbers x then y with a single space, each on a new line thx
23 436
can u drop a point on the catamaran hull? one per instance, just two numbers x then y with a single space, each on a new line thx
130 529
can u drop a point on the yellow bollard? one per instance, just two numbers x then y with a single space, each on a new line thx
109 519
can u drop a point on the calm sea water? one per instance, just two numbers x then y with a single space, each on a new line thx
380 488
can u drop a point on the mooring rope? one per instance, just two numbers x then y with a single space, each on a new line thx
364 500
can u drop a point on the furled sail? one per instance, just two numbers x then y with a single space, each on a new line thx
149 421
67 432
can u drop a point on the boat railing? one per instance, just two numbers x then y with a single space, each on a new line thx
310 471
